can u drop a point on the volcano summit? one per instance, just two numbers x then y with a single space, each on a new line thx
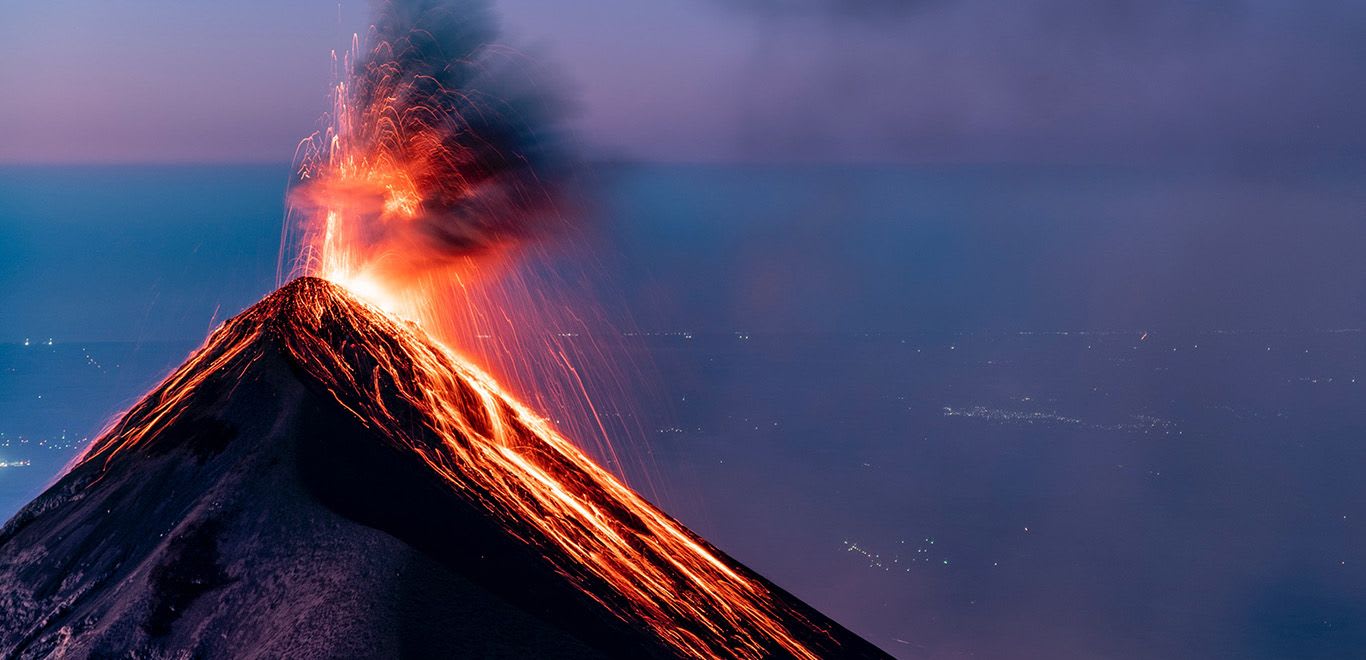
324 480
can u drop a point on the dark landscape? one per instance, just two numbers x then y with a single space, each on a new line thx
315 534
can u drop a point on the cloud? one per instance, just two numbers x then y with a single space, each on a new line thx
845 9
1053 79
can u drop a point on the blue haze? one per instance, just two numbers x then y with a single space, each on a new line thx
998 411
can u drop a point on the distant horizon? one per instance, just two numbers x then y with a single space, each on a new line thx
1154 334
1344 163
163 252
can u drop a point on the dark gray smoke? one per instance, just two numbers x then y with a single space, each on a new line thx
463 121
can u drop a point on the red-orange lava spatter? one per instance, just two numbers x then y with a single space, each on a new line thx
401 206
498 454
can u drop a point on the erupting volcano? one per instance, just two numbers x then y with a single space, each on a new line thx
322 479
325 477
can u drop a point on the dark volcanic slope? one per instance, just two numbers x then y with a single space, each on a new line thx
248 508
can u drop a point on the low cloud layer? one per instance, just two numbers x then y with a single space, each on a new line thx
1053 79
851 9
717 80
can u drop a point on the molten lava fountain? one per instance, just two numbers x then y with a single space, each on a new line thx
435 172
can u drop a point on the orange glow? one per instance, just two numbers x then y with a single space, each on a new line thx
399 196
401 202
361 218
496 453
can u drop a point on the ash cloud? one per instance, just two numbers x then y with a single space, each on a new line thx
470 124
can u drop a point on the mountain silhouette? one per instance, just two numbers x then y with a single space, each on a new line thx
321 479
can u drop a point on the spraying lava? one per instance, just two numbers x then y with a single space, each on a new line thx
439 159
433 171
431 191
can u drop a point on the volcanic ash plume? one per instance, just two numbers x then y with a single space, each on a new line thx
439 147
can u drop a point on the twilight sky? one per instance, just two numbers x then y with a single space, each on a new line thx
729 80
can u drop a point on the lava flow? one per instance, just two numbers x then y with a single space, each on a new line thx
431 171
431 191
622 551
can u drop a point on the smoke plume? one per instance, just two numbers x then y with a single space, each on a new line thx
440 145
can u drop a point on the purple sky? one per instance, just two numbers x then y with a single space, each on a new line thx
729 80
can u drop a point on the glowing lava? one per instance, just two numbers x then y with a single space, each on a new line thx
411 199
436 161
494 452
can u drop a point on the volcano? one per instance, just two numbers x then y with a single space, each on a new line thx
322 479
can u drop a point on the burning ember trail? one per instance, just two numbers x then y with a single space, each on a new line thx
431 172
497 454
438 159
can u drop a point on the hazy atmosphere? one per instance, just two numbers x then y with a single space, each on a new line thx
1031 329
940 81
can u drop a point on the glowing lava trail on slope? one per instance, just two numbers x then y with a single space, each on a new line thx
500 456
431 171
431 191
